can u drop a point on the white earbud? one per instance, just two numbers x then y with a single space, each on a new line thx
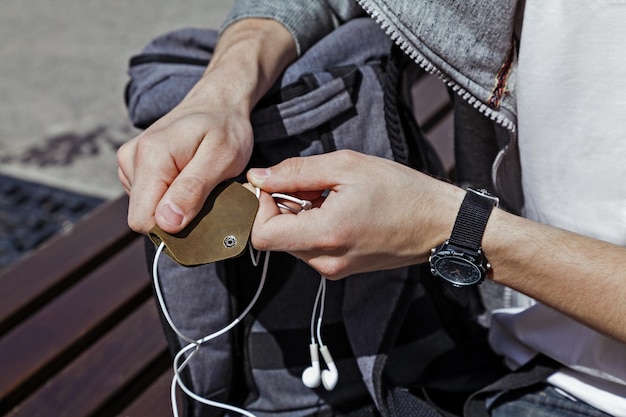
311 377
330 376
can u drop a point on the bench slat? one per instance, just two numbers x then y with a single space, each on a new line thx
41 275
155 401
56 332
104 370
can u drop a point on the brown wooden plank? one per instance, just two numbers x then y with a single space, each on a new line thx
60 329
155 401
98 375
39 276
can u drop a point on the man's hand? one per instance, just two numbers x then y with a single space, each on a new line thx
378 214
170 169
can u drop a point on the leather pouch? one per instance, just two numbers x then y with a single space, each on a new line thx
220 231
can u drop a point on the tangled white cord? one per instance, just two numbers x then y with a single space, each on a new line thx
194 345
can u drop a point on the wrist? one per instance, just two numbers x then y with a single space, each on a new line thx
460 259
438 207
249 57
221 89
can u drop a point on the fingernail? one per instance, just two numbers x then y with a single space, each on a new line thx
172 214
260 173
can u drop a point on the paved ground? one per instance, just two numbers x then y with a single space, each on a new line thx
62 75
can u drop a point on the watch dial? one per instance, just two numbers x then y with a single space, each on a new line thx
459 271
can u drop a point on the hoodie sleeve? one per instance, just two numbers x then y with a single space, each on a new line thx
307 20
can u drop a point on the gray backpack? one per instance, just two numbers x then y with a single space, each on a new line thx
400 339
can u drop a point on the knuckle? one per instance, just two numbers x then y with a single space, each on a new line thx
348 157
124 154
290 167
136 225
144 146
122 151
333 268
188 191
259 240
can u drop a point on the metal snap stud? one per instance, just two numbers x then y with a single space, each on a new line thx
230 241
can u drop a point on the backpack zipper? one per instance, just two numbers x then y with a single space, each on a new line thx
379 16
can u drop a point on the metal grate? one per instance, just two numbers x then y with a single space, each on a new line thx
30 213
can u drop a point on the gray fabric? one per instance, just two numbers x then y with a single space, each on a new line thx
364 314
198 301
308 21
467 41
149 94
470 44
304 113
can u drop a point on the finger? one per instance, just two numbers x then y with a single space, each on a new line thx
184 197
153 171
272 229
123 180
187 193
310 173
288 232
144 190
125 160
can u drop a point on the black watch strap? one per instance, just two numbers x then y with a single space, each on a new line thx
471 221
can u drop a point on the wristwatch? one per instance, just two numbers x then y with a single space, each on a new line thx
460 259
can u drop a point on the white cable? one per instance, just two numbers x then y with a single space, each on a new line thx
314 313
195 344
321 313
304 204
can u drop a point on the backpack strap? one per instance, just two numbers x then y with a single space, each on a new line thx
534 372
402 402
407 139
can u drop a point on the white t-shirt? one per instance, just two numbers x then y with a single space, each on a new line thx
572 135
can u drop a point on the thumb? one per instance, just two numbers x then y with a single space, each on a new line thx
182 202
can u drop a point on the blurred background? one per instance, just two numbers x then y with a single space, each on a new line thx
63 69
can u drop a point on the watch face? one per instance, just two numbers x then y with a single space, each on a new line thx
459 271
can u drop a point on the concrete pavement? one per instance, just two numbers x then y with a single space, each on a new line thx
63 70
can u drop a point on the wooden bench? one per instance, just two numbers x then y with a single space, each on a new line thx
79 330
80 333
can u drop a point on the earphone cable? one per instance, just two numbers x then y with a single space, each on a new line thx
322 304
315 307
195 344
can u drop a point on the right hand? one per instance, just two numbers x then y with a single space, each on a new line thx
377 214
170 168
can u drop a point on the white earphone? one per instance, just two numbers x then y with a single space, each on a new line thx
330 376
311 377
314 375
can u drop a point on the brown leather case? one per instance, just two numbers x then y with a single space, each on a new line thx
220 231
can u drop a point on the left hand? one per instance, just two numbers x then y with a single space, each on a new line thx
378 214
